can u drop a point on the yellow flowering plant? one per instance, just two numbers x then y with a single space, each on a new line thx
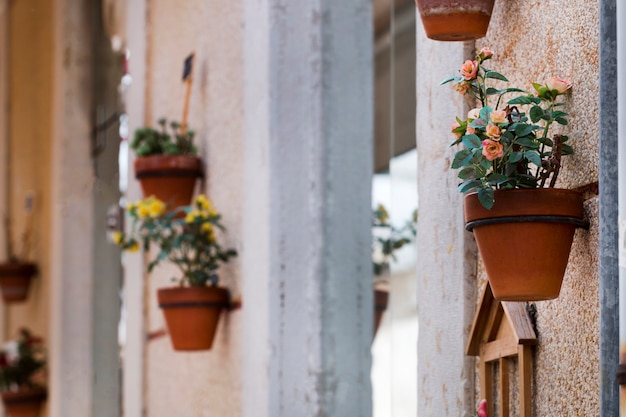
185 236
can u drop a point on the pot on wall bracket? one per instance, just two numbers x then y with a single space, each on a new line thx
381 301
192 315
455 20
170 178
15 280
525 239
24 403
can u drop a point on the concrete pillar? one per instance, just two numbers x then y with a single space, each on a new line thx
71 350
307 273
446 267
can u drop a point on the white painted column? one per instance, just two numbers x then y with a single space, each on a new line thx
71 353
307 273
446 259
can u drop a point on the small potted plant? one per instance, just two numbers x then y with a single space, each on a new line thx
386 239
186 237
17 272
509 163
22 363
167 165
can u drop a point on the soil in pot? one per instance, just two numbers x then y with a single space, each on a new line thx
455 20
525 240
15 280
192 314
24 403
170 178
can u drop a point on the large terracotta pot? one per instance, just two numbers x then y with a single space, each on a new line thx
24 403
381 300
170 178
192 314
525 240
455 20
15 280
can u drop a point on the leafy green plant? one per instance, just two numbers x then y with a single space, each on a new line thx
21 362
386 238
507 144
186 237
149 141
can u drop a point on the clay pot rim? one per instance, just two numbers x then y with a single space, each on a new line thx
25 395
168 162
18 268
207 296
536 202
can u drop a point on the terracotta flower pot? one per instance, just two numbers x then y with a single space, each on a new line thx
192 314
381 300
455 20
170 178
525 240
15 280
24 403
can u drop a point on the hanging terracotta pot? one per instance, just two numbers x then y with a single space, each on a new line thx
170 178
525 240
15 280
192 314
24 403
381 300
455 20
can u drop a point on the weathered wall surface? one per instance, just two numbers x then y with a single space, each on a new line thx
534 41
203 383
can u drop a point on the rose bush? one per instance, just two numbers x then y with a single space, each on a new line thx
507 144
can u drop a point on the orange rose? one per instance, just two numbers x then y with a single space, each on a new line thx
498 116
492 149
493 132
469 69
559 84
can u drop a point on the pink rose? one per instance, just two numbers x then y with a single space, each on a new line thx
462 87
493 132
454 126
474 113
470 130
469 69
498 116
492 149
485 53
559 84
482 408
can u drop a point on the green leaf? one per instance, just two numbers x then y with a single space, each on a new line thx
561 120
546 141
533 157
469 185
567 149
467 172
447 80
492 91
515 157
525 100
559 113
497 179
462 158
472 141
486 198
523 130
495 75
536 112
527 142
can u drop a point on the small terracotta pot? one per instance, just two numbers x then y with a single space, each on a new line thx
15 280
525 240
192 314
455 20
24 403
170 178
381 300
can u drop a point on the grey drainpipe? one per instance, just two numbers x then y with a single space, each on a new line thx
621 138
608 218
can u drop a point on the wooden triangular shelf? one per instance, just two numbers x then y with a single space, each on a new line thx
501 331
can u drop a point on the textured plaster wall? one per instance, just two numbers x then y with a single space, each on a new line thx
534 41
204 383
30 125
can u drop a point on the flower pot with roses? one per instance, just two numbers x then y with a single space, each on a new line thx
508 165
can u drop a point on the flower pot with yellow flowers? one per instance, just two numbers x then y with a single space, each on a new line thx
188 238
510 157
167 165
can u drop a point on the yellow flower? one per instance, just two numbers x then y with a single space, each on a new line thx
131 207
157 208
133 247
384 216
118 237
207 227
143 210
191 216
203 202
